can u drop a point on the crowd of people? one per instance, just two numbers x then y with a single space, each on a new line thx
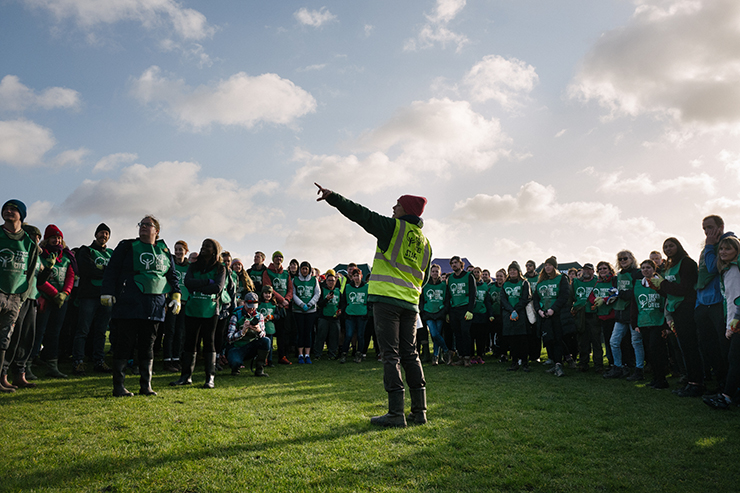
633 319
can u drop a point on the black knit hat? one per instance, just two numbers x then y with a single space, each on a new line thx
514 265
552 261
102 227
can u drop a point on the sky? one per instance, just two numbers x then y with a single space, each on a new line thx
534 128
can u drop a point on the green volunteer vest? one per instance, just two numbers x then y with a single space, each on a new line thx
548 291
332 305
513 291
480 298
201 305
624 282
458 290
180 271
255 276
532 282
304 289
704 277
601 290
399 271
495 291
225 296
672 301
581 292
14 263
434 297
34 292
241 318
649 307
100 258
151 263
279 281
267 309
356 300
58 272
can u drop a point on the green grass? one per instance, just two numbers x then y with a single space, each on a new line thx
306 428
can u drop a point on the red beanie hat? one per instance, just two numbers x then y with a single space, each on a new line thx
52 230
412 204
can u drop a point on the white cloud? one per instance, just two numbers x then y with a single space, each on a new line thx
153 15
436 30
15 96
439 134
240 100
368 29
436 137
314 18
112 161
190 51
676 59
643 183
731 161
71 157
505 81
190 203
24 143
311 68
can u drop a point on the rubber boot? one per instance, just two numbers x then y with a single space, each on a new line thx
5 389
54 369
210 359
145 377
19 380
418 414
425 357
395 417
119 376
188 366
259 370
29 373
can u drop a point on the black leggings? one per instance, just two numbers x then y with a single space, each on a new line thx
193 326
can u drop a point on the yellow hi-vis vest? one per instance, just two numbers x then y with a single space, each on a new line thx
398 272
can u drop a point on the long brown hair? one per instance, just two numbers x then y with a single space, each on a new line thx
732 242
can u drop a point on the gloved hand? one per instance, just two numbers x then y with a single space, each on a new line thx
599 301
514 316
468 316
60 298
107 300
447 317
99 266
51 261
305 307
175 304
270 317
734 325
490 319
656 281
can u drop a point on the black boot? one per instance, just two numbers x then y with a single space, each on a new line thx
188 366
210 359
5 389
119 375
418 414
395 417
145 379
425 357
259 370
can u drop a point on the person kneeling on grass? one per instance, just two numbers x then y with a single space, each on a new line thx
247 337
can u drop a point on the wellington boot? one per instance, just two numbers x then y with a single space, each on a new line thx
29 373
188 366
394 418
19 380
425 357
53 370
119 376
418 414
259 370
145 377
4 381
210 360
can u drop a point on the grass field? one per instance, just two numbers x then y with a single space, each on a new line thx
306 428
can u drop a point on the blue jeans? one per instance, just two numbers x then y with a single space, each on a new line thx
620 330
435 329
354 325
237 355
91 315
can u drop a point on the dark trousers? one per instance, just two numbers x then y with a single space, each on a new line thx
481 338
688 341
135 333
589 340
327 332
304 328
607 327
552 336
174 332
461 329
206 327
714 346
91 316
733 374
395 328
48 326
519 345
656 347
